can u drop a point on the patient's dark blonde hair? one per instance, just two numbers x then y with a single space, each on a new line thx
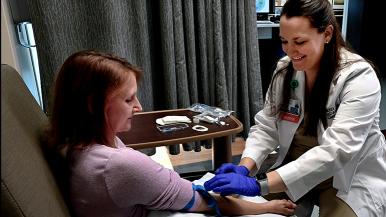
84 81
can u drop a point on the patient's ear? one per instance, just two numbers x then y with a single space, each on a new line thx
328 33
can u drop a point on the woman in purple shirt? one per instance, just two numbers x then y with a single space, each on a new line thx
94 99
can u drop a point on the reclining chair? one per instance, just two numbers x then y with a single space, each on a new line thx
28 187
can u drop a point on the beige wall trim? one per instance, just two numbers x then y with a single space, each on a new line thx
8 38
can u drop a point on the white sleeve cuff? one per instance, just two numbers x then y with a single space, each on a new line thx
296 187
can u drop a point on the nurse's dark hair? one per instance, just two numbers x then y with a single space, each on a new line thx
320 15
82 84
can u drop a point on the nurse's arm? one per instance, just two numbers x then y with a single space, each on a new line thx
248 163
275 182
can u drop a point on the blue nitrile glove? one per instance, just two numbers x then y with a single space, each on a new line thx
232 183
231 168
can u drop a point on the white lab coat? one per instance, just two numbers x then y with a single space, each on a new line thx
352 148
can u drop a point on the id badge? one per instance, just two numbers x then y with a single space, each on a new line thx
293 112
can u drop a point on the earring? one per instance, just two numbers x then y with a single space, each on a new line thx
326 42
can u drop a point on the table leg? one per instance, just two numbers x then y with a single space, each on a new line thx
222 151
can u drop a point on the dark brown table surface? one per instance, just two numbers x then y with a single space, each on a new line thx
144 133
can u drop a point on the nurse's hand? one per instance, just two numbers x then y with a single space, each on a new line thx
232 183
231 168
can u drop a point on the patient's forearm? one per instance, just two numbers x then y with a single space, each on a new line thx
233 206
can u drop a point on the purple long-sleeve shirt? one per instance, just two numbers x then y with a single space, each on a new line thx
120 181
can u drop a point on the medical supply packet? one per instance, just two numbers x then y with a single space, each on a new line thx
209 110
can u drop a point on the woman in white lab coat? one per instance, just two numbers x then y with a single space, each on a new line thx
322 110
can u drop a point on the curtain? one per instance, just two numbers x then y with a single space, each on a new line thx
192 51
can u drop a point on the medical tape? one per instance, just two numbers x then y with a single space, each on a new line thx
196 120
200 128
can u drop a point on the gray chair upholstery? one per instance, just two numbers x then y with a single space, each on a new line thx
28 186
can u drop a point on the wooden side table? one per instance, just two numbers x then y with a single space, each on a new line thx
144 133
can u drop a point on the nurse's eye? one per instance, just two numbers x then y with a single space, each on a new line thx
299 42
284 42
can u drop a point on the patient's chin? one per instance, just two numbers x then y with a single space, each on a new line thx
128 126
125 128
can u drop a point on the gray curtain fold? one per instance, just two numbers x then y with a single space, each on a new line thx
62 27
192 51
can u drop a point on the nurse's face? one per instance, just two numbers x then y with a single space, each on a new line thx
303 43
121 105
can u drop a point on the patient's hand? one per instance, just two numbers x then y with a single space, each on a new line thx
283 207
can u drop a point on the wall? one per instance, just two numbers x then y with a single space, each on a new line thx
23 59
8 36
363 26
